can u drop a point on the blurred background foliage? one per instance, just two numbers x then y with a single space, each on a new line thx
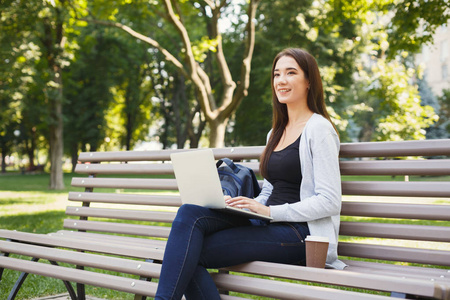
122 74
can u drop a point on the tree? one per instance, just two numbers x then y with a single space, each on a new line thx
414 23
391 110
44 23
217 109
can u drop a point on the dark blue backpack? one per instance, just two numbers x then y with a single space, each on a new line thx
237 180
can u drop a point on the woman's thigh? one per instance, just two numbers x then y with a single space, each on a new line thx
274 242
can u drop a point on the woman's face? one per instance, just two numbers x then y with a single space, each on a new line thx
289 81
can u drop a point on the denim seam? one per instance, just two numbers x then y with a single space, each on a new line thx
296 232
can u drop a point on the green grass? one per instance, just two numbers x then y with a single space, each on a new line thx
26 204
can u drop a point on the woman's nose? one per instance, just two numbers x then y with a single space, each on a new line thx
281 79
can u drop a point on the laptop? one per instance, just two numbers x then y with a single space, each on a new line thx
198 182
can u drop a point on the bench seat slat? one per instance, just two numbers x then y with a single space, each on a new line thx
401 271
389 188
124 284
413 255
125 183
137 199
122 228
128 266
125 214
114 239
396 231
423 287
85 245
433 167
396 149
284 290
396 210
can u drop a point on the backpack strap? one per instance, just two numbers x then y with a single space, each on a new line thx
229 163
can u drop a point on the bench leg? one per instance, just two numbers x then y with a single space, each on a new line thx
81 290
19 282
69 287
2 269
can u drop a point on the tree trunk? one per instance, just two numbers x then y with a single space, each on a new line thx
56 136
4 160
217 133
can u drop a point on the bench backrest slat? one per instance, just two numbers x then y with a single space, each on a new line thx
137 199
396 231
396 210
123 214
125 183
239 153
395 149
135 168
390 188
415 255
396 167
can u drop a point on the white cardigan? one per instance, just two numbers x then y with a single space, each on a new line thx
320 189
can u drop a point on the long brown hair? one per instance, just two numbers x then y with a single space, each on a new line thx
315 100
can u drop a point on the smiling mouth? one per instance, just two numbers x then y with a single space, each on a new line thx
284 90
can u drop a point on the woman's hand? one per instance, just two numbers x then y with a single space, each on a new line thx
251 204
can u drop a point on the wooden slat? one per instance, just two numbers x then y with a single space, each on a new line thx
125 183
402 271
128 183
164 155
132 229
116 264
124 284
396 231
144 168
284 290
136 168
395 149
425 288
124 214
396 210
80 244
433 167
387 188
137 199
393 253
114 239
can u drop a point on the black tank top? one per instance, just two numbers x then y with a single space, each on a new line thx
285 175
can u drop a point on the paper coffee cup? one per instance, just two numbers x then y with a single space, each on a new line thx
316 251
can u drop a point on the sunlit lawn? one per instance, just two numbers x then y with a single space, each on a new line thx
26 204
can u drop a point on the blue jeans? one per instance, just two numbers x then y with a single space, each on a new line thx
203 238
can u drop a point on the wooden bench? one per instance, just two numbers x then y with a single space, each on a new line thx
122 218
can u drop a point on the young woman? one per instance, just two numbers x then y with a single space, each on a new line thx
301 192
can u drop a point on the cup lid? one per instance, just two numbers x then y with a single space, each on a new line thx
316 238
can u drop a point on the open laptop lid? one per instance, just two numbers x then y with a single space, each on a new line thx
197 178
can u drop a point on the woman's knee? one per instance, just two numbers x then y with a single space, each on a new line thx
189 213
